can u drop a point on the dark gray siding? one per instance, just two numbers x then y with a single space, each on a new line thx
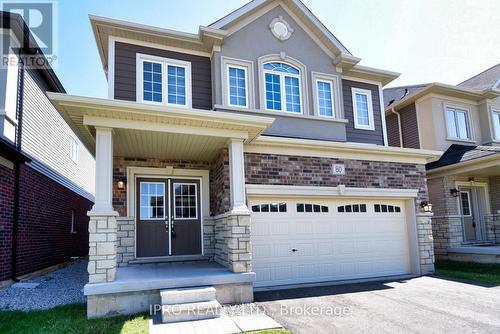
392 130
409 126
358 135
125 73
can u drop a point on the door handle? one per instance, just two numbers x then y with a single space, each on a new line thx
294 249
172 231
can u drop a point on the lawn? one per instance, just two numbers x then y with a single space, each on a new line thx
72 319
480 272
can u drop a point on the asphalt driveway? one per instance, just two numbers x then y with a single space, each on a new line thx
420 305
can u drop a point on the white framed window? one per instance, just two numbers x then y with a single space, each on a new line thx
282 87
237 86
73 149
325 99
495 119
362 109
152 200
163 81
457 123
465 203
73 223
185 201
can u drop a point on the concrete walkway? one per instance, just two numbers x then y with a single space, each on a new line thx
420 305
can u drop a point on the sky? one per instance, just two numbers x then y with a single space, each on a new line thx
426 40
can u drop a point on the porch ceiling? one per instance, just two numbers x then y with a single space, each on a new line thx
144 129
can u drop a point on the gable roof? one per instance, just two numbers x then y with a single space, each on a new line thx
463 153
395 94
488 79
298 8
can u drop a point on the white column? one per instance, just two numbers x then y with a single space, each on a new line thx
237 176
104 172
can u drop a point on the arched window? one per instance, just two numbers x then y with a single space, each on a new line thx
282 87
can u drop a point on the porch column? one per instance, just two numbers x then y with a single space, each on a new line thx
237 176
102 223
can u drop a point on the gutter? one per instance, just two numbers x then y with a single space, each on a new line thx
400 131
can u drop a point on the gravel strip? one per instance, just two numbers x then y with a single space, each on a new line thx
60 287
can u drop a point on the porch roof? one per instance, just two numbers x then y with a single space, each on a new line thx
148 130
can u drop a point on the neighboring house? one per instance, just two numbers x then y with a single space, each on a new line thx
46 172
256 150
464 184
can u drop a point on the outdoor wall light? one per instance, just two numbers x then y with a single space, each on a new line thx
120 184
454 192
426 206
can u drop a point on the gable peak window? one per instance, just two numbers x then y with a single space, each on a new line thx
362 109
282 87
163 81
457 123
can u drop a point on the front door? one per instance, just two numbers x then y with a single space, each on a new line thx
467 214
168 215
474 208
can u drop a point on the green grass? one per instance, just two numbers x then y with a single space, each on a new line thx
480 272
72 319
68 319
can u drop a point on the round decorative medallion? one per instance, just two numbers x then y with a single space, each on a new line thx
280 29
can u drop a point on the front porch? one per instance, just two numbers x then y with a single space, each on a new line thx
169 187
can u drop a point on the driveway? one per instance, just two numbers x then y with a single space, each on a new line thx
419 305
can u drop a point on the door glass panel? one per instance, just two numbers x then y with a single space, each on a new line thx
185 201
152 200
465 203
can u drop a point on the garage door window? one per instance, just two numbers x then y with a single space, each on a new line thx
352 208
303 207
386 208
269 207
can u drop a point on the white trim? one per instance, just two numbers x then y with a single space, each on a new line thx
160 46
237 176
368 94
484 185
196 199
382 114
111 68
104 171
254 190
164 62
455 107
73 149
165 200
228 86
282 58
495 111
336 101
367 81
282 76
241 63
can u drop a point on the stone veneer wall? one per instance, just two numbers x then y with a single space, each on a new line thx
447 232
425 243
125 234
317 171
232 242
102 249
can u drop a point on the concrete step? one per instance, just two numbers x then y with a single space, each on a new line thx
187 295
191 311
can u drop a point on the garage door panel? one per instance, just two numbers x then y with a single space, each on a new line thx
330 245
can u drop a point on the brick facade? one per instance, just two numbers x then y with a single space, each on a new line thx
317 171
44 237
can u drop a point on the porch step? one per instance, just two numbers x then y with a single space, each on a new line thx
188 304
191 311
187 295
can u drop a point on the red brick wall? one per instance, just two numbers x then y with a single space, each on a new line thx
316 171
6 217
44 237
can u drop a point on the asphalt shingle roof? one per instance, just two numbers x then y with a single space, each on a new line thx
398 93
461 153
484 80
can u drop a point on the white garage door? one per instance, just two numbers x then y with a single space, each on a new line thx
310 240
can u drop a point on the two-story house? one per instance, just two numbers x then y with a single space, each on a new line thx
252 154
46 171
463 185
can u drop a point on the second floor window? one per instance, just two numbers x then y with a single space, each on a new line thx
362 109
73 149
162 80
457 123
496 123
237 86
282 87
325 98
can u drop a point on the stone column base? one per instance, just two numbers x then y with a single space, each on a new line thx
102 247
425 243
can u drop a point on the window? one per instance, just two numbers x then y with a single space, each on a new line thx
152 202
73 149
237 86
185 201
163 81
381 208
495 114
73 224
301 207
282 87
269 207
465 201
352 208
324 91
363 109
457 123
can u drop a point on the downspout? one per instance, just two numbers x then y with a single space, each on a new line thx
400 131
15 226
